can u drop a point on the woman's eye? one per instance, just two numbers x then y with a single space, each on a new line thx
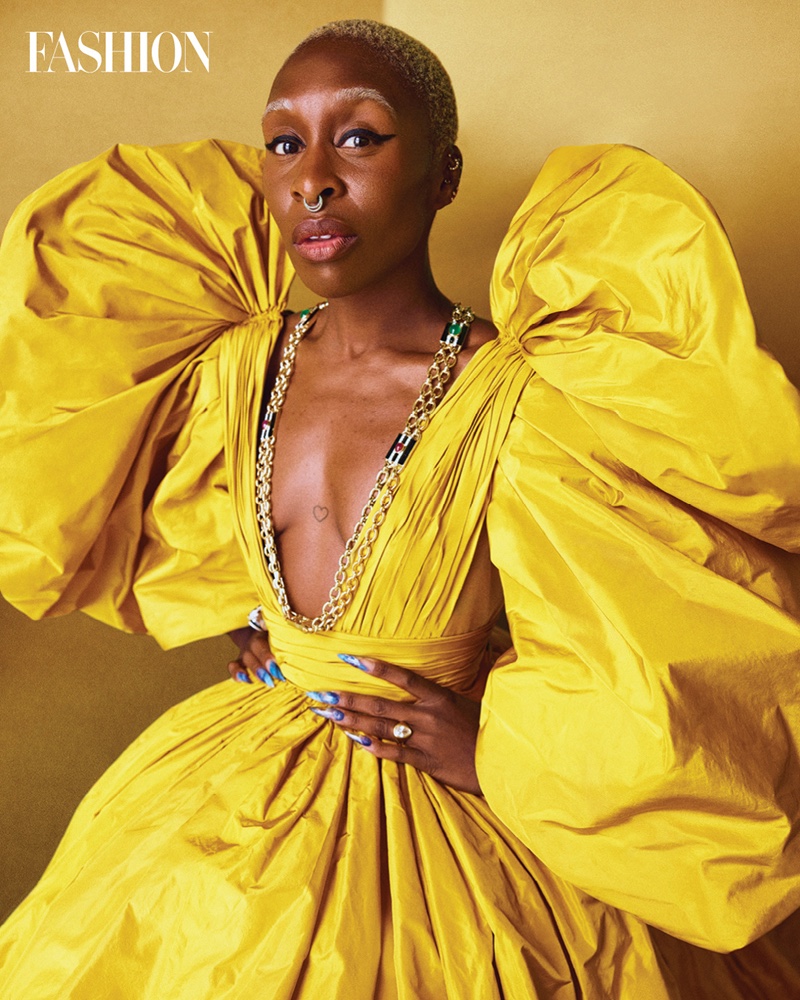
283 145
361 138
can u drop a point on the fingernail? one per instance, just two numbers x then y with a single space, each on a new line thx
327 696
243 677
275 670
328 713
363 741
262 675
352 660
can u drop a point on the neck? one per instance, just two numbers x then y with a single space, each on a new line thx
403 312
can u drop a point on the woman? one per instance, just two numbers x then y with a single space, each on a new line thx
366 829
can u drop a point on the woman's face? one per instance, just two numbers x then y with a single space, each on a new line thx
342 124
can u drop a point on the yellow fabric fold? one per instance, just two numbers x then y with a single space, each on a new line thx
311 661
119 276
244 848
621 287
651 703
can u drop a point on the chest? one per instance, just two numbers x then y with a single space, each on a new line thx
336 425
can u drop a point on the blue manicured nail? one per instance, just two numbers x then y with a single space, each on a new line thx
262 675
275 671
327 696
328 713
364 741
243 677
352 660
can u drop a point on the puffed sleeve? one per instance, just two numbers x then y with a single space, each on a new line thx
620 286
119 278
641 736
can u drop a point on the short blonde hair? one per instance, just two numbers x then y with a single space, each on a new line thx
414 63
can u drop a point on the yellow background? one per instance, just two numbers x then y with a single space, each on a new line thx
712 89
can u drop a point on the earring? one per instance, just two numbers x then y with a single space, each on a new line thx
453 165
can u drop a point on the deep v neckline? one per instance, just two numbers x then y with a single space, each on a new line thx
359 544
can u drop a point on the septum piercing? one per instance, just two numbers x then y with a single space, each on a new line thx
316 207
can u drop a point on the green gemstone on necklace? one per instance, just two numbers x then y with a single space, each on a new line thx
455 334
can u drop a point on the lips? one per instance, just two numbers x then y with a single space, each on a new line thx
322 239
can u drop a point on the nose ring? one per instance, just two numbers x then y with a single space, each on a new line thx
316 207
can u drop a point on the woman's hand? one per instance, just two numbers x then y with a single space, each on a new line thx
444 725
255 659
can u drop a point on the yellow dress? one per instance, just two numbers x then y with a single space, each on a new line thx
621 467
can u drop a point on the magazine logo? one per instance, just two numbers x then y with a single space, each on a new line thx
120 52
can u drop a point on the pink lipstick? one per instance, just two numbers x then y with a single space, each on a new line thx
322 240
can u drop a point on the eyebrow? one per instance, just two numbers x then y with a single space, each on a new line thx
346 94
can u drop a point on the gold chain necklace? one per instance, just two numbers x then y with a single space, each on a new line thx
358 548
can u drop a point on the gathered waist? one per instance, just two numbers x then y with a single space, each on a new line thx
310 659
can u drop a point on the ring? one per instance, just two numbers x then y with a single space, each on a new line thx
255 620
317 205
402 732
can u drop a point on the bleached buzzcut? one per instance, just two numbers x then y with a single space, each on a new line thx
414 63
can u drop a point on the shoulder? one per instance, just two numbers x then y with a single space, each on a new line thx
289 321
481 332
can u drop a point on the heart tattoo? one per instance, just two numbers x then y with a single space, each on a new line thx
320 513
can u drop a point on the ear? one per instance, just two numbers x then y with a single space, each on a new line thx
451 164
